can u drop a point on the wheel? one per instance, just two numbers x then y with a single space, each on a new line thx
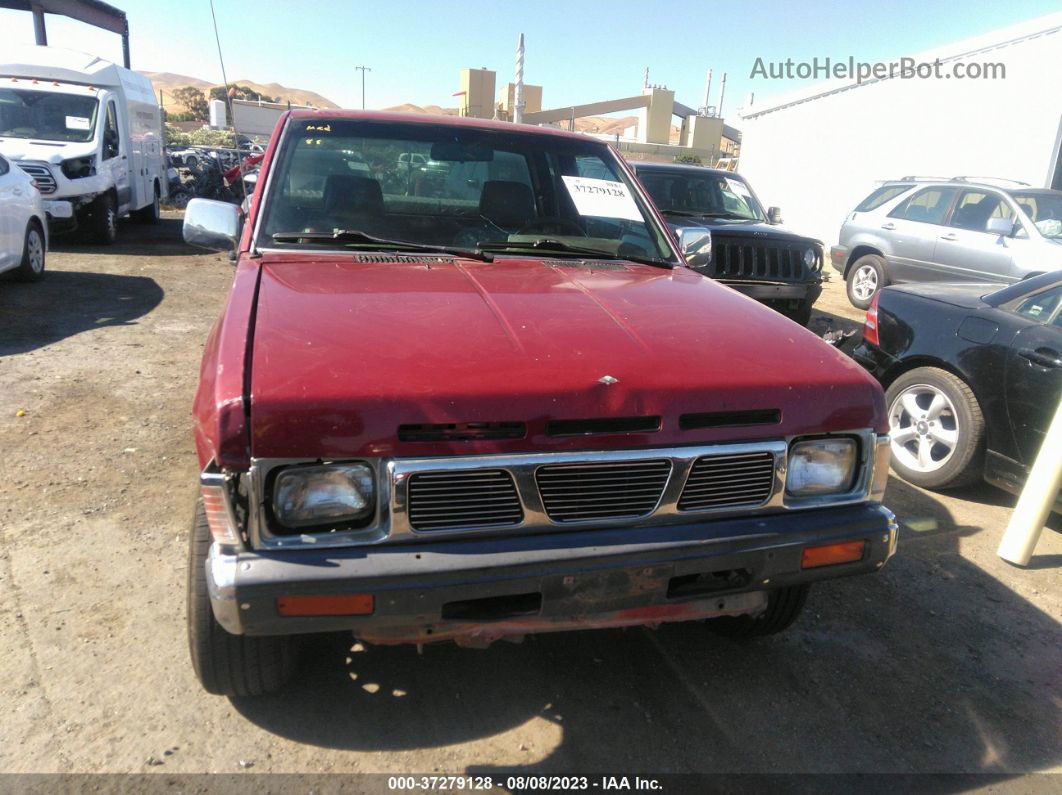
229 665
105 219
865 278
937 429
151 213
31 268
180 199
783 607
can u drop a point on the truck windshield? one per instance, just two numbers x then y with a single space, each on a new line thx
1045 210
46 115
457 187
684 193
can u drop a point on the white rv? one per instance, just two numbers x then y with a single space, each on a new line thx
89 133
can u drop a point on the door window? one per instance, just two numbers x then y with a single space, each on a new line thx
110 133
4 167
976 207
879 196
1039 307
928 206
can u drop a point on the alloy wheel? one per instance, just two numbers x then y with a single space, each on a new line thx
865 283
924 428
35 246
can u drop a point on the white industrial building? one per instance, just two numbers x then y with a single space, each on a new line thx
816 153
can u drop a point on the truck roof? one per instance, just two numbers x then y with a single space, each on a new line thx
62 65
428 118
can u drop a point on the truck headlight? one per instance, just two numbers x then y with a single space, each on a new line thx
809 257
821 466
314 495
79 167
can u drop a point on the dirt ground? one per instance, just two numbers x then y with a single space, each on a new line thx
949 660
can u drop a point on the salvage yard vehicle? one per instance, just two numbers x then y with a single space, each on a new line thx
964 229
747 249
453 418
23 228
973 373
89 132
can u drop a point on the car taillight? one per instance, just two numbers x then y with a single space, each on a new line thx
870 324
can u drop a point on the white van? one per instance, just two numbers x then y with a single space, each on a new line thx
89 133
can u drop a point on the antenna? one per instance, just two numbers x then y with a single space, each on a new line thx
518 87
228 102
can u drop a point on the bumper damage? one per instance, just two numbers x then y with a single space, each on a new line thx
475 591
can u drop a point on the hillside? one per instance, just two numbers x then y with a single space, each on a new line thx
168 81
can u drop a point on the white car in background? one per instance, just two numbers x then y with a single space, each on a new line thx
23 224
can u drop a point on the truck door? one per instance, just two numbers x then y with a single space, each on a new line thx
1034 371
116 157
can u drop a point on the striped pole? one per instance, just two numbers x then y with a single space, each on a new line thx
518 89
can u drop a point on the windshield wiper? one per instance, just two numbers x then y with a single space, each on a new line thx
356 236
559 246
739 216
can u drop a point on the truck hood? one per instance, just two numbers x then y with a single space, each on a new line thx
731 227
54 152
344 352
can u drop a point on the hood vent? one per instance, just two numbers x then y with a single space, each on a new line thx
461 431
404 259
586 264
730 419
604 425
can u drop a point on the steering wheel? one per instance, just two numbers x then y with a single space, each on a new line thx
552 220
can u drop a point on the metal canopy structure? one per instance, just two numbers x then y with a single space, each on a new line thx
93 12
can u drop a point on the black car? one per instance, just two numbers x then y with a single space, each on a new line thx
749 249
972 376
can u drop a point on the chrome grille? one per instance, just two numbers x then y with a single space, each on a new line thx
742 258
600 490
463 499
725 481
42 177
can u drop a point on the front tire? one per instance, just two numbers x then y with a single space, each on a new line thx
105 220
784 606
937 429
226 664
31 268
151 213
865 277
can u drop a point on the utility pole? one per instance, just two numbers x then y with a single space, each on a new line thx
363 70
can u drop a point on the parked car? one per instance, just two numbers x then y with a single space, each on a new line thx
748 249
963 229
555 426
973 373
23 224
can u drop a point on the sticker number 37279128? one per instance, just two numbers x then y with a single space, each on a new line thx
602 198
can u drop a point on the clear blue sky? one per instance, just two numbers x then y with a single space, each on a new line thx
579 50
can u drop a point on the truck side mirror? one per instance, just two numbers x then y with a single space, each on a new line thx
774 215
696 245
212 224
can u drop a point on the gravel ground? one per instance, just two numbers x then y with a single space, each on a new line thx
949 660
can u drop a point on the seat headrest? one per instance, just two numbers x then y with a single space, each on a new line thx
508 204
348 193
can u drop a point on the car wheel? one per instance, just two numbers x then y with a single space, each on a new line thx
179 199
937 429
784 605
226 664
31 269
105 220
865 278
151 213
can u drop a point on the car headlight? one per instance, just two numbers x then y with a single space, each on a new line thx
821 466
313 495
809 257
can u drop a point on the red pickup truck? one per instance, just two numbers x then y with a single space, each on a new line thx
495 402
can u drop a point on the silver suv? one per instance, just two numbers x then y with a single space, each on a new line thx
964 229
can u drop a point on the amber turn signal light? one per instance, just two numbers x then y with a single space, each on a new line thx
832 554
357 604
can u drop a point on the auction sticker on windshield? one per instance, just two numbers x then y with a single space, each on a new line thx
77 123
602 198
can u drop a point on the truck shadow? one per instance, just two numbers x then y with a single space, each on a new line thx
933 665
164 239
66 303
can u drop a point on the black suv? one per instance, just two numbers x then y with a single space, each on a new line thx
749 249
